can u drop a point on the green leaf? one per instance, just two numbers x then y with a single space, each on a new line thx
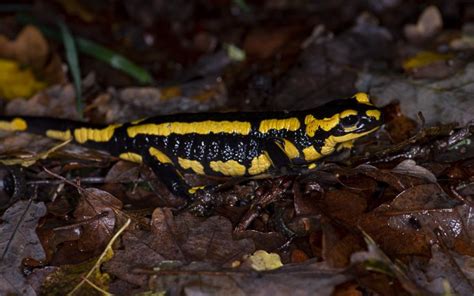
114 59
73 62
95 50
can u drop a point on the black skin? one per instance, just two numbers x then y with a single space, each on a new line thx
219 147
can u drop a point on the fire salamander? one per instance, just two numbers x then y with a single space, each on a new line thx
222 144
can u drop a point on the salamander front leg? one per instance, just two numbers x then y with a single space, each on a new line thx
199 200
164 168
280 160
173 179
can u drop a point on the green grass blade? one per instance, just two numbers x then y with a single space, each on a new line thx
95 50
114 59
73 62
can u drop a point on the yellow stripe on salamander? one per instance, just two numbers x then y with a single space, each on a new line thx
331 141
259 164
290 149
183 128
84 134
310 154
17 124
194 165
326 124
160 156
59 135
228 168
362 98
290 124
130 156
373 113
193 190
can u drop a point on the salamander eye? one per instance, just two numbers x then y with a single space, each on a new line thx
349 121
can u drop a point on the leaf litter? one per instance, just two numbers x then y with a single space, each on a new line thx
395 217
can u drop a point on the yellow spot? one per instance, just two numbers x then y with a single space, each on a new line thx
425 58
348 112
312 166
346 145
373 113
290 124
326 124
18 81
310 153
184 128
17 124
290 149
84 134
228 168
195 165
59 135
130 156
350 129
327 149
160 156
362 98
260 164
332 141
193 190
261 261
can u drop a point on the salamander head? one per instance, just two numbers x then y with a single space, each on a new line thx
344 120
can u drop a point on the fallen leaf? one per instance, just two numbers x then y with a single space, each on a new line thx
263 43
99 208
429 24
432 65
409 167
394 242
374 259
423 59
323 70
307 278
260 260
57 101
30 49
423 197
446 273
95 277
442 101
18 240
184 238
123 171
16 82
140 102
344 205
338 245
29 160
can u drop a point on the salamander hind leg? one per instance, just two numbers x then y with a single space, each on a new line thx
280 157
166 171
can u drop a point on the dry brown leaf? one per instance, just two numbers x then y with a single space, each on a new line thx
56 101
184 238
429 23
18 240
31 49
99 208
